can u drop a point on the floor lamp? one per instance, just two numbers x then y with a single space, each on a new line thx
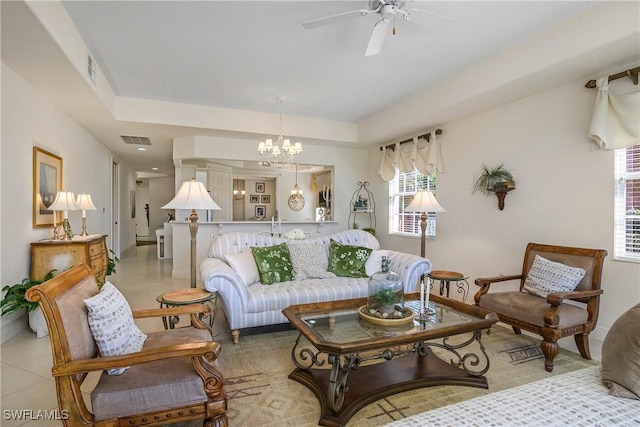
424 201
192 195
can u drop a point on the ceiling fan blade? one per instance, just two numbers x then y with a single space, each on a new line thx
377 37
419 16
335 18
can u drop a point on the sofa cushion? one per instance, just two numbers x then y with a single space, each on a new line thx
548 277
621 356
111 323
347 260
274 263
374 262
309 261
244 264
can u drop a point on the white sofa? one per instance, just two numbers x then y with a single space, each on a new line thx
248 306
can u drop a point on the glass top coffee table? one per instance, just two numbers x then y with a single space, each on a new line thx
385 360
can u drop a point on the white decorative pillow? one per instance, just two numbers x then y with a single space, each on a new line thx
244 264
548 277
111 323
373 264
309 261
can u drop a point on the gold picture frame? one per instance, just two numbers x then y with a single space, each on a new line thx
47 181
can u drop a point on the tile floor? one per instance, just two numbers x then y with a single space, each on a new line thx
25 374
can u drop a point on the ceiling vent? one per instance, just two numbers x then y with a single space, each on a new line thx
135 140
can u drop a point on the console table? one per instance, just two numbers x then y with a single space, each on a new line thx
47 255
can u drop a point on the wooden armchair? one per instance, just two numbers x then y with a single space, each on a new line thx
550 317
172 379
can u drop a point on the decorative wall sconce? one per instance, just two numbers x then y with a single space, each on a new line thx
497 180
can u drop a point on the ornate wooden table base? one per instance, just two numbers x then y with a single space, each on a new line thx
373 382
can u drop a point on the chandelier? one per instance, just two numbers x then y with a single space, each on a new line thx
281 153
237 192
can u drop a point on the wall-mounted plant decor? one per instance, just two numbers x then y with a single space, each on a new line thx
495 179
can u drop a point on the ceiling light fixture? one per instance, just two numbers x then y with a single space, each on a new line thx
281 153
296 192
238 194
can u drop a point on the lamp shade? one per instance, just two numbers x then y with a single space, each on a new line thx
84 202
64 201
192 195
424 201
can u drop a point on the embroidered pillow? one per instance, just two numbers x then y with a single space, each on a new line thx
245 265
274 263
547 277
374 262
348 261
111 323
309 261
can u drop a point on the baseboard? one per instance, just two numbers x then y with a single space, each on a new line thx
11 328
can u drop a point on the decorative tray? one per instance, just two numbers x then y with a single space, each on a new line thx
407 317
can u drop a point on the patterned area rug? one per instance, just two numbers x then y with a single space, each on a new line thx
260 394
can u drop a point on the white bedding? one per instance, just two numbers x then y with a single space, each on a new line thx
576 398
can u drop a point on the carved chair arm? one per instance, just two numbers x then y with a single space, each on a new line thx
558 298
208 349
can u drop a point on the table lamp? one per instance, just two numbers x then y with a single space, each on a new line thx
192 195
84 202
65 202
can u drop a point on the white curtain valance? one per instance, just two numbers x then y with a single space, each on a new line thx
616 118
419 154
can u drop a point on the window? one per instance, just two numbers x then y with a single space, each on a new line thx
627 204
402 188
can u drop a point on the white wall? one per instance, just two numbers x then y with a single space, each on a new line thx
564 193
29 120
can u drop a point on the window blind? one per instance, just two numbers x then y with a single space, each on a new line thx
627 204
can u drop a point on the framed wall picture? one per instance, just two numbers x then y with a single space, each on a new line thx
47 181
261 211
254 198
259 187
265 198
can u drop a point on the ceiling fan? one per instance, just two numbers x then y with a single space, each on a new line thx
387 9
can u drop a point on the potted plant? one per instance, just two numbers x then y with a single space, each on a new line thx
14 300
385 299
489 179
112 262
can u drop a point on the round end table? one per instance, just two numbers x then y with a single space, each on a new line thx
187 297
446 277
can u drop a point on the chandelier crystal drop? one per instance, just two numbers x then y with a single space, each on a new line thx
281 153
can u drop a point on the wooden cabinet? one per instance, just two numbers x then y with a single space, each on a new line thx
47 255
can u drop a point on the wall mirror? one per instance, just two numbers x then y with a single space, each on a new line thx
247 192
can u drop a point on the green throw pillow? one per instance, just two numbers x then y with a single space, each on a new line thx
274 263
348 261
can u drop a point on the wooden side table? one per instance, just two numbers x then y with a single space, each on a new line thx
446 277
187 297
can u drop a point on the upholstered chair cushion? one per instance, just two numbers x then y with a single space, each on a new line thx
547 277
244 264
169 383
530 308
274 263
111 323
621 356
347 260
309 261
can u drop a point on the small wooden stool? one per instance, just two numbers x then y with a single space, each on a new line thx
186 297
446 277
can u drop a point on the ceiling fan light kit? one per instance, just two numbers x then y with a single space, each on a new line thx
387 9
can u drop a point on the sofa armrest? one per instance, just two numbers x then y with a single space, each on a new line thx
410 268
485 284
218 276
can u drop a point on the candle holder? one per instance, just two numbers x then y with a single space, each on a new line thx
424 311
